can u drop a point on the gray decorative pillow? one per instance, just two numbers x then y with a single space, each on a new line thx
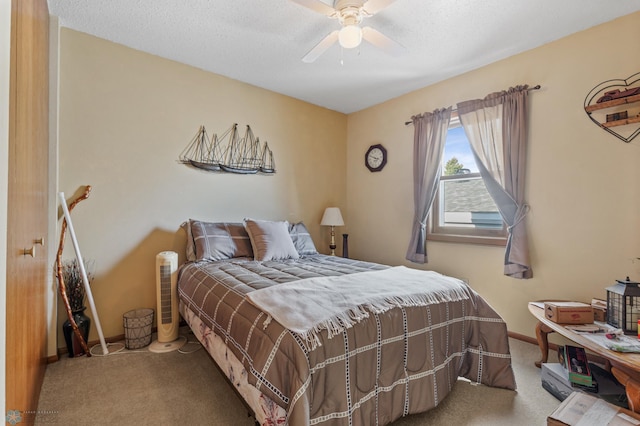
220 240
302 239
190 249
270 240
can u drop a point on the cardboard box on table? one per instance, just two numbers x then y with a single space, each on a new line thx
568 312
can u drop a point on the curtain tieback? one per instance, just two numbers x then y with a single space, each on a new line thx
521 212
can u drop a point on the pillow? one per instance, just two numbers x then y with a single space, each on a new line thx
302 239
220 240
270 240
191 250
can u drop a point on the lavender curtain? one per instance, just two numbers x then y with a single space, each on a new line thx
430 132
496 126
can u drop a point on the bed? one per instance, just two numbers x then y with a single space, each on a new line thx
307 338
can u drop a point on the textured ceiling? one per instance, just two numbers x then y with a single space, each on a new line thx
261 42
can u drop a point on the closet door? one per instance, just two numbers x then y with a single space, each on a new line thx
26 334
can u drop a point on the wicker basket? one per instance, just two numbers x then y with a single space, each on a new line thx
137 328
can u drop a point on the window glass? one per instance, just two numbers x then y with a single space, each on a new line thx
463 210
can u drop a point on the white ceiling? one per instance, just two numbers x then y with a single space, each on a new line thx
261 42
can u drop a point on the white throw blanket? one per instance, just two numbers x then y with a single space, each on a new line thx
334 303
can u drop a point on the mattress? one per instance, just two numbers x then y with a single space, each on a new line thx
385 365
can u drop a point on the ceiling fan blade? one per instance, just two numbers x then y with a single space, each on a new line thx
374 6
317 6
321 47
382 42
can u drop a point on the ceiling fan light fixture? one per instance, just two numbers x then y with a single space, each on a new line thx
350 36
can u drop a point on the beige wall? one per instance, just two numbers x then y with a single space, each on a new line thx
583 184
124 118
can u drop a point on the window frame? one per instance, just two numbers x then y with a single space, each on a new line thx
460 234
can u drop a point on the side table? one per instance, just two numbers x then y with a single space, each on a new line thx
624 366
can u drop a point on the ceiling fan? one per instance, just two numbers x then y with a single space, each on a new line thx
350 14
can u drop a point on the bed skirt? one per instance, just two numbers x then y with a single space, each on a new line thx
265 411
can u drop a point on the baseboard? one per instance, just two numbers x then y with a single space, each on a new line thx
118 338
522 337
90 344
525 338
529 339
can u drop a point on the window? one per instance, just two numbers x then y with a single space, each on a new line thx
463 211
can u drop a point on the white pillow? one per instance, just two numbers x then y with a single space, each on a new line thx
270 240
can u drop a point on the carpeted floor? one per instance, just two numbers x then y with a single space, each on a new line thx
144 388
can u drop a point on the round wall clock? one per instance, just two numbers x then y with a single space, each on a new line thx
375 158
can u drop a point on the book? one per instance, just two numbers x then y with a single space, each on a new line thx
575 361
555 380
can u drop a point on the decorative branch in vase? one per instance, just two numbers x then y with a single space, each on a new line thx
76 294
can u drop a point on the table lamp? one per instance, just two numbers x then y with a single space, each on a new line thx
332 217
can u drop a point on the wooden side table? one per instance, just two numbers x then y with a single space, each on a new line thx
624 366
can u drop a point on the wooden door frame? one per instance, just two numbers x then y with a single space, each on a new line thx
27 212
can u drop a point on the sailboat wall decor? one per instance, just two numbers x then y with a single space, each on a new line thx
230 152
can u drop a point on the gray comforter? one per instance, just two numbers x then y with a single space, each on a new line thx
385 366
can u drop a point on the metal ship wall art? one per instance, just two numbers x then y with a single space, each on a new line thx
229 153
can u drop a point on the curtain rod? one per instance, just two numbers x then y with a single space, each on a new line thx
536 87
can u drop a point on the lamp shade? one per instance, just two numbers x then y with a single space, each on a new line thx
332 217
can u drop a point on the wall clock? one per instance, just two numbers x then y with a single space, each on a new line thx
375 158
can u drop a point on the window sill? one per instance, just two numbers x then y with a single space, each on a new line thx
467 239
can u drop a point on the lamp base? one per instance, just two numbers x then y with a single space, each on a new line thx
333 246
